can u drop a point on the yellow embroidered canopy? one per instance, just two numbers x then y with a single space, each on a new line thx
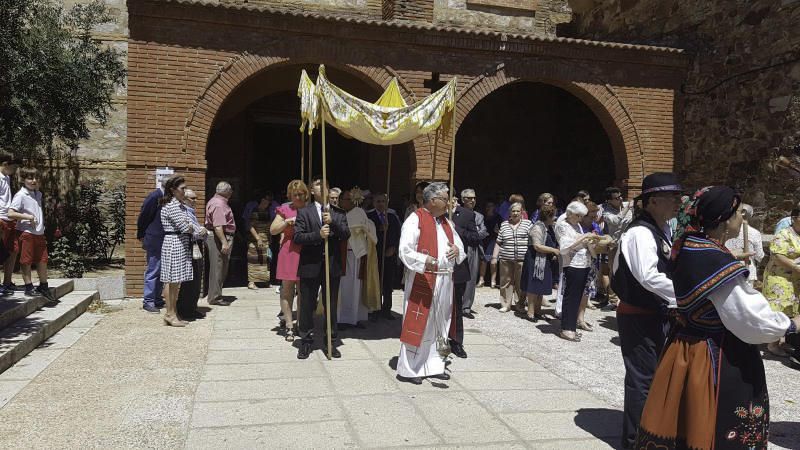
389 121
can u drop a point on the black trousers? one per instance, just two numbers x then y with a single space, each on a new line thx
389 264
574 286
190 290
642 338
309 292
458 300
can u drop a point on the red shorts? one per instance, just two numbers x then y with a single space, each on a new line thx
33 249
8 235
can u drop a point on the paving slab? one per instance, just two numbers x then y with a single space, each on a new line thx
582 424
497 364
249 412
210 391
333 434
388 421
275 354
510 380
264 371
360 377
258 343
537 400
448 412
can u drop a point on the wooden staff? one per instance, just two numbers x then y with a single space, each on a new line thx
311 155
453 156
302 155
746 248
324 190
386 218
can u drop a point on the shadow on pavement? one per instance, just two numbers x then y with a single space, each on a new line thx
609 322
785 434
602 423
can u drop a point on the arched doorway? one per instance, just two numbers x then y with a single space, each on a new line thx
529 138
254 144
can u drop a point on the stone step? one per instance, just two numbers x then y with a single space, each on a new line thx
17 306
18 339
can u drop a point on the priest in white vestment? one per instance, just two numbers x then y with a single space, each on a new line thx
430 249
362 234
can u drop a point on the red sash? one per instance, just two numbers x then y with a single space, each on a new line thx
421 297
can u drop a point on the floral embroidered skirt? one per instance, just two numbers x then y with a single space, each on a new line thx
707 393
781 290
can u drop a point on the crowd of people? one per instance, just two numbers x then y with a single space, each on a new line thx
679 270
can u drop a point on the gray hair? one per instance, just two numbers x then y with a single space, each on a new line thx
336 190
434 189
577 208
748 211
516 204
223 187
468 193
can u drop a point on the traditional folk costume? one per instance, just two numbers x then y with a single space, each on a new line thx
645 291
428 301
356 299
709 391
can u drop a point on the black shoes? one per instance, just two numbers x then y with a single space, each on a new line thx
441 376
336 353
388 315
468 314
304 351
794 359
412 380
457 349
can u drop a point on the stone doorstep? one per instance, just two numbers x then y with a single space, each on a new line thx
17 306
27 333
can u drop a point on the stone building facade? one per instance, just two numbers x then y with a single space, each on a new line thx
741 96
212 89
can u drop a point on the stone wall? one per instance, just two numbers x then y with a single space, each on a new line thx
741 98
103 154
514 16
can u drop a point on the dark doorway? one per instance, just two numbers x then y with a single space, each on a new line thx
531 138
255 145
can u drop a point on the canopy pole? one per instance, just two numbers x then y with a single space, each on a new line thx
324 190
435 152
311 157
386 225
302 155
452 157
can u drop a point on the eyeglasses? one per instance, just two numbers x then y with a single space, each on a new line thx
467 198
444 199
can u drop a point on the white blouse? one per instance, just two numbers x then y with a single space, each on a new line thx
567 234
746 313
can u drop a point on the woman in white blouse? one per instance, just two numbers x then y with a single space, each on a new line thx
709 390
576 247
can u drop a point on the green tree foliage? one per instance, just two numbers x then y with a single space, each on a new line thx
53 75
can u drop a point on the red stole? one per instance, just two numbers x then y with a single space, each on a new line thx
421 297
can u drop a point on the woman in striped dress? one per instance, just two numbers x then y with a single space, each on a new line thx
176 252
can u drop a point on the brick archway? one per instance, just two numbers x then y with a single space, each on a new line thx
596 94
238 70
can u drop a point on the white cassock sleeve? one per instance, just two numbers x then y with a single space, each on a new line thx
746 313
409 237
641 253
445 263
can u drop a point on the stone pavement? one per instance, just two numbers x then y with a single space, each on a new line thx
230 382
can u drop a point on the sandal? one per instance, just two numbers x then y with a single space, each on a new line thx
776 350
566 337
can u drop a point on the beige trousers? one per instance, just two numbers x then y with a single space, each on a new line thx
510 277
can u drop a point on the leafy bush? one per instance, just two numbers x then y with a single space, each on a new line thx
91 223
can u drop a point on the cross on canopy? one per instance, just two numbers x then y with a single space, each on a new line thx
434 84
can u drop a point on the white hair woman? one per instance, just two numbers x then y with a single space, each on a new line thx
576 247
509 254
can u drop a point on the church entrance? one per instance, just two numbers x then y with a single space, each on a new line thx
255 145
531 138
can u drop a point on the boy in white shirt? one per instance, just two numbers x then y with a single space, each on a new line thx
8 228
26 209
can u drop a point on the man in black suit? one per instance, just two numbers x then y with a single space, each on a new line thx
315 223
464 220
386 220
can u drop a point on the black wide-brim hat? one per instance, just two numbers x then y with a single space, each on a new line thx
660 182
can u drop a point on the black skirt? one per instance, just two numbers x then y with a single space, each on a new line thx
529 283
